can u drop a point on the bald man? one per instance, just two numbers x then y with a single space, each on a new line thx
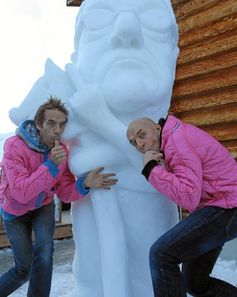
196 172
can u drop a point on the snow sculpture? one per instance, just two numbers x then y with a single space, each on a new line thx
53 82
123 67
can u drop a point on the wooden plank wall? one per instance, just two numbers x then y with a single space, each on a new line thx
74 2
205 90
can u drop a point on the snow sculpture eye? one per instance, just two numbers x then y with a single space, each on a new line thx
156 20
97 19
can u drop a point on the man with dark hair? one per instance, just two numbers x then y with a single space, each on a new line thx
52 103
35 168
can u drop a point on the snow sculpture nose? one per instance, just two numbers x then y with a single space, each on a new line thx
127 31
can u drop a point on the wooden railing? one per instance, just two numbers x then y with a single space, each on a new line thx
74 2
63 225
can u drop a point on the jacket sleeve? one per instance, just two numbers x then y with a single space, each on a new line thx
182 183
23 184
69 188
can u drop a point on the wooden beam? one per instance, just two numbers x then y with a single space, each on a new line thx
61 231
74 2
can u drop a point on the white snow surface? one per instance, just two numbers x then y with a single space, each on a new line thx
63 282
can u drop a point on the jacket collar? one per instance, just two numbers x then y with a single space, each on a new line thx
170 125
29 133
161 122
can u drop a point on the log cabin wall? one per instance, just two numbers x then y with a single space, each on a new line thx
205 89
74 2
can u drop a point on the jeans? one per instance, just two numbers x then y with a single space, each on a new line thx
195 242
33 260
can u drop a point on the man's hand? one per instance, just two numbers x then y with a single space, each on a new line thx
58 153
152 155
98 180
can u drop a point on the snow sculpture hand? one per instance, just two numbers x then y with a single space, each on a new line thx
89 107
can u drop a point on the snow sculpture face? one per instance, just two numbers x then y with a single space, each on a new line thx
130 48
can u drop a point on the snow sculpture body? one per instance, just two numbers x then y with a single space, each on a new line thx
123 67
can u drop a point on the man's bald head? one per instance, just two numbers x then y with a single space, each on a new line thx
141 122
143 133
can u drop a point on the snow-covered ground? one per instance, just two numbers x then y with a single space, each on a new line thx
63 280
63 283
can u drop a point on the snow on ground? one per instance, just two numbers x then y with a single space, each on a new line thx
63 282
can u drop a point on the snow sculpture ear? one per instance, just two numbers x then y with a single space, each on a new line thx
54 82
175 30
51 68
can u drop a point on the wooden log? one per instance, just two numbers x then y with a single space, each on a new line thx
207 116
222 131
183 8
208 47
225 25
207 82
61 231
207 99
74 2
209 64
232 147
197 13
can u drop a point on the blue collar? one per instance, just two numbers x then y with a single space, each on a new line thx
29 133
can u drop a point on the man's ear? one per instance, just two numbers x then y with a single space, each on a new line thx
38 125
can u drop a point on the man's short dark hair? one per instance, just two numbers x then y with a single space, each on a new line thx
52 103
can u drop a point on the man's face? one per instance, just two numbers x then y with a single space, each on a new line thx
127 47
144 136
52 126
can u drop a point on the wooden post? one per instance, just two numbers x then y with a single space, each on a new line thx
74 2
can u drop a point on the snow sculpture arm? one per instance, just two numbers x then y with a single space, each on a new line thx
89 106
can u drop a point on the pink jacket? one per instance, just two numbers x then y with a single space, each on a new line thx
198 170
30 179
